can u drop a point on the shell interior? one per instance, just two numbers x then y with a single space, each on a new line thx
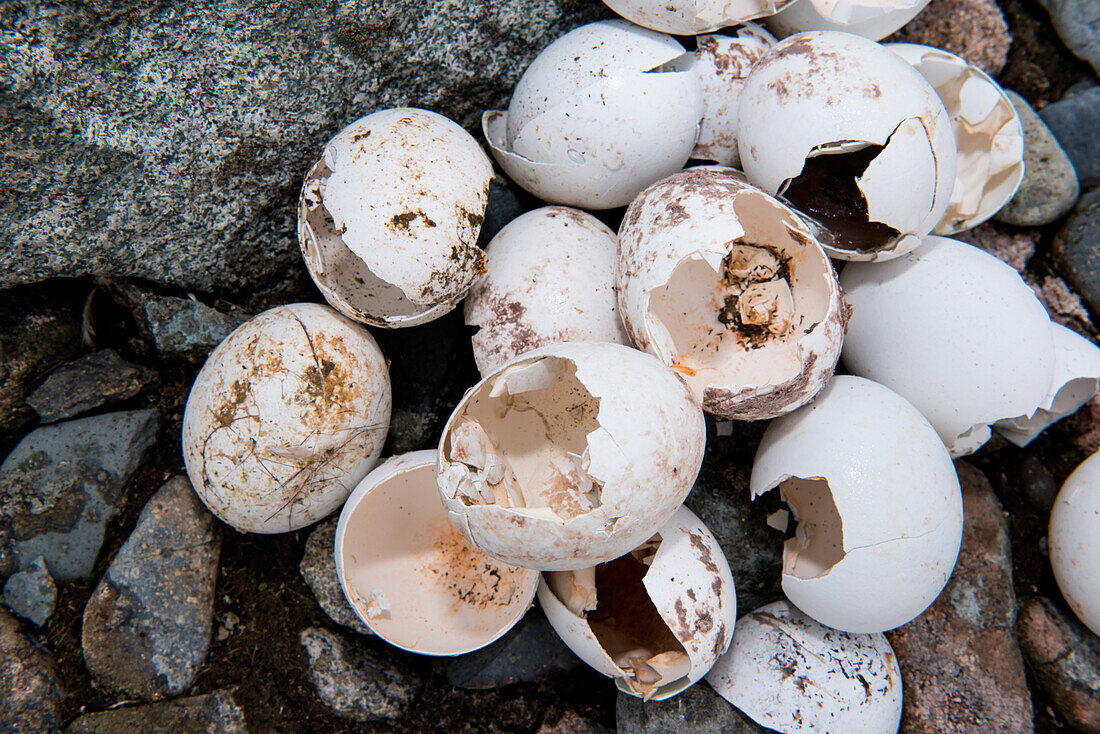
818 541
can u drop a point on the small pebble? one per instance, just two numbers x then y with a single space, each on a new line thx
1038 484
31 593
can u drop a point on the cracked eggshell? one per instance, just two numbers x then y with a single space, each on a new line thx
873 19
688 17
285 418
865 146
601 113
655 635
1075 541
570 455
723 62
549 277
956 332
388 219
877 502
988 135
726 285
411 577
792 674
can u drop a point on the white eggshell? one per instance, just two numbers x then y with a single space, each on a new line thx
680 244
285 418
877 501
988 135
601 113
722 63
688 17
1075 541
956 332
873 19
549 277
411 577
821 94
388 219
598 445
792 675
689 584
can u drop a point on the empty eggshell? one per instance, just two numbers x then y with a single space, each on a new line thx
655 619
988 135
853 137
601 113
570 455
688 17
723 62
285 418
793 674
726 285
411 577
1075 541
956 332
388 219
549 277
873 19
877 502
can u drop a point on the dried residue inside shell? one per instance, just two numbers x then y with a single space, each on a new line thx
655 619
688 17
726 285
873 19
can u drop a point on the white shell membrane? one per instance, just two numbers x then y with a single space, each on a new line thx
1075 541
873 19
688 17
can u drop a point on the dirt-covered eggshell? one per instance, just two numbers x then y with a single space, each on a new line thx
1074 538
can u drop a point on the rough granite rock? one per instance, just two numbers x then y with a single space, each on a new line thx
31 593
1010 244
1063 305
1078 25
973 29
960 663
1064 657
571 723
169 142
1075 122
318 568
93 380
1085 427
698 710
1075 250
147 625
215 712
30 693
62 484
354 682
181 327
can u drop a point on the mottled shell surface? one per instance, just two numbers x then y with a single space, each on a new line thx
1075 541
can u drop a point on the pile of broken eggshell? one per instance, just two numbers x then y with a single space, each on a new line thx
563 472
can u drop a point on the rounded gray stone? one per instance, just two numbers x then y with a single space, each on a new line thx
181 327
318 568
1075 122
1077 249
31 593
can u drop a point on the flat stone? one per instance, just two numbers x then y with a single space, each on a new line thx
698 710
62 484
94 380
147 625
318 568
1064 657
31 593
571 723
1050 186
1062 303
354 682
182 327
30 693
1078 25
1009 244
215 712
1075 122
1075 252
960 663
973 29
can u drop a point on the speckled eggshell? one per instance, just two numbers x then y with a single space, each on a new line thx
1075 541
873 19
877 501
285 418
549 277
688 17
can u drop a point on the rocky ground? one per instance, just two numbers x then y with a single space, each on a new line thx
149 168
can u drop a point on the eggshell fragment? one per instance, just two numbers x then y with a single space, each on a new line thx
570 455
388 219
601 113
792 674
1075 541
877 502
873 19
549 277
285 418
726 285
851 136
956 332
988 135
655 619
688 17
411 577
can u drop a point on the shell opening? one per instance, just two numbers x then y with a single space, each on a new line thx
818 542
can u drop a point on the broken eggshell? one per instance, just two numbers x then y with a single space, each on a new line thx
792 674
873 19
877 502
601 113
1075 541
956 332
688 17
570 455
988 135
655 619
411 577
726 285
388 219
851 136
549 277
285 418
